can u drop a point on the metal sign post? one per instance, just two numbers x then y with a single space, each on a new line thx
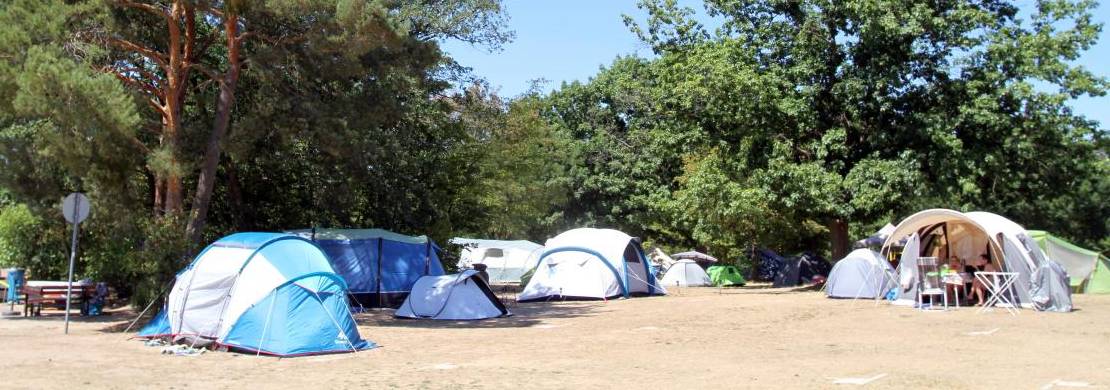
75 208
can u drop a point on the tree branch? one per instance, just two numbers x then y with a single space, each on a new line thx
151 9
157 106
207 72
158 58
150 89
153 79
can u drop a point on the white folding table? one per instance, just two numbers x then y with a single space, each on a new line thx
998 284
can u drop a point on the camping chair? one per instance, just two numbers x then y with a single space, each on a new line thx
929 283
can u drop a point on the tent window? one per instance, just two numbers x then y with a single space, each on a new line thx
630 254
495 252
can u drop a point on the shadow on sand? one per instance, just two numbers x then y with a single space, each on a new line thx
116 320
524 315
769 289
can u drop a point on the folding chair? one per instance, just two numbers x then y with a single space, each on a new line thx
929 283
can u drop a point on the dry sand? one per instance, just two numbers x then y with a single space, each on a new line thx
695 338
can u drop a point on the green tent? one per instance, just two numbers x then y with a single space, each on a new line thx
1099 283
1083 265
725 275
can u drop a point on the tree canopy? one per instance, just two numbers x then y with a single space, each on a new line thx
794 125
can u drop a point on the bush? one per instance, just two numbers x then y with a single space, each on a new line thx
27 241
155 259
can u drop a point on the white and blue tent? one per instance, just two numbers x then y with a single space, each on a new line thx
591 263
265 293
862 274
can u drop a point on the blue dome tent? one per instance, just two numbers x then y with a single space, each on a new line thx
379 266
265 293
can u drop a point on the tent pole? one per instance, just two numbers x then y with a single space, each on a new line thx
266 327
947 243
379 277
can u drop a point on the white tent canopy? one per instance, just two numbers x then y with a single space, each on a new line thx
506 261
591 263
686 273
463 296
944 233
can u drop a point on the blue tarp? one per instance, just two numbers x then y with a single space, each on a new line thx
355 256
158 326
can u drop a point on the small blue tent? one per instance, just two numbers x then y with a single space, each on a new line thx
379 266
267 293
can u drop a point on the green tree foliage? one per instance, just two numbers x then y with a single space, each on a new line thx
308 113
796 125
520 163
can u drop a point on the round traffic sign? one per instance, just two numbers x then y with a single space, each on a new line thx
75 207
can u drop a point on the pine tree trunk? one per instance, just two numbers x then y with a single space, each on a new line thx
159 204
838 229
234 194
206 183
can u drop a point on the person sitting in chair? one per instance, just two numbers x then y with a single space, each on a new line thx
977 288
953 282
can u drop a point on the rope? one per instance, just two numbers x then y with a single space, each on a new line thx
144 310
633 275
336 323
266 327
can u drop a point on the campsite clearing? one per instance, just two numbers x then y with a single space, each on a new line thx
694 338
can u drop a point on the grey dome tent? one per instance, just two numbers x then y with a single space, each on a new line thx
686 273
861 274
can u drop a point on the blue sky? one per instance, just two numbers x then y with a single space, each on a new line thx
567 40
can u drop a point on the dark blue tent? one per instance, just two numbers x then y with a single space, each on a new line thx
379 266
790 271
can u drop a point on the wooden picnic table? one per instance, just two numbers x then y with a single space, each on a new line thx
37 294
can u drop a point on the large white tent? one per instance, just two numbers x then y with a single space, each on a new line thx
463 296
944 233
686 273
591 263
506 261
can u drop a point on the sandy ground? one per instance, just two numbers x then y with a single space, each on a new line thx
695 338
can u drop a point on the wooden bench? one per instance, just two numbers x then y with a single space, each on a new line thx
35 297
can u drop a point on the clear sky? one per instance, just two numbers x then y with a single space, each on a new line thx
567 40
